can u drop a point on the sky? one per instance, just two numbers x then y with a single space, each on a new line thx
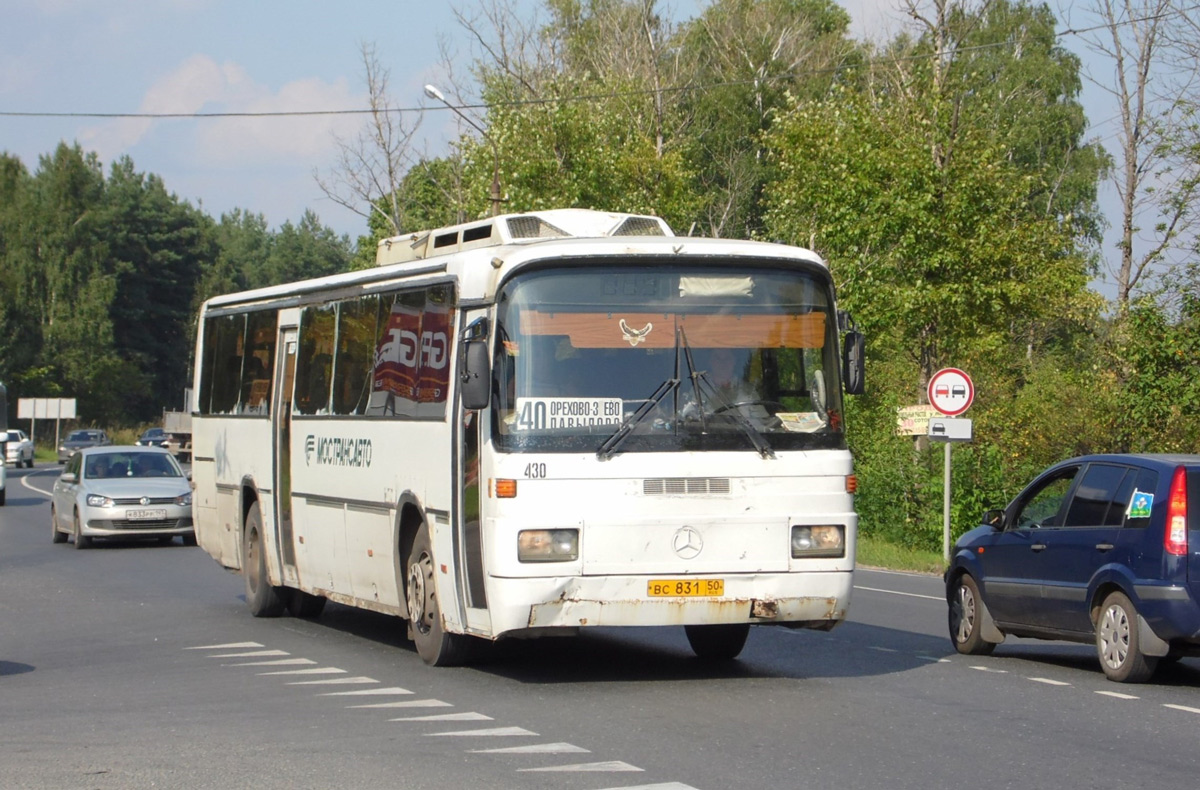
185 56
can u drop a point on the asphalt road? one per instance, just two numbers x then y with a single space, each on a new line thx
138 666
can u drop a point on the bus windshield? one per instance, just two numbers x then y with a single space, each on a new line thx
720 356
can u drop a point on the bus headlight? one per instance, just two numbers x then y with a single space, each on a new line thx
820 541
547 545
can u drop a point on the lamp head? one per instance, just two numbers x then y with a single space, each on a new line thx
433 93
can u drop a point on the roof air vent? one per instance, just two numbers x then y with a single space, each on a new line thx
639 226
528 227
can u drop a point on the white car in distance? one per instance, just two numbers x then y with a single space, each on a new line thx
18 448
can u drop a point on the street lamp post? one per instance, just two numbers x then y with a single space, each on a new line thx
435 94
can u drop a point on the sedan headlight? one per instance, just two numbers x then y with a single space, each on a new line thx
96 500
184 500
819 541
547 545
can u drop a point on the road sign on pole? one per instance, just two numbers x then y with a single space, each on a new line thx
951 391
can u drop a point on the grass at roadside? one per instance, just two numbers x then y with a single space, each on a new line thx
881 554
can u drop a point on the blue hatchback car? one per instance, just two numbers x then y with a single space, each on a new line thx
1103 549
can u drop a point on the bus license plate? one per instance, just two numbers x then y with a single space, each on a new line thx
146 515
687 588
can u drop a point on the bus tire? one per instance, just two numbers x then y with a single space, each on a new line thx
306 605
264 600
717 642
435 647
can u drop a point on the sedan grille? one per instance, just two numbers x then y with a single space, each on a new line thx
132 501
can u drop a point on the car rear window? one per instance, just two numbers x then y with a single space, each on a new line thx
1139 481
1096 502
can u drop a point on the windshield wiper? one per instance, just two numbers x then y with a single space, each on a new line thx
610 445
700 382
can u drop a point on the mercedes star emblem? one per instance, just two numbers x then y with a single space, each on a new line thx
687 543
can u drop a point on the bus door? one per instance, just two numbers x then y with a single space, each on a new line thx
469 520
283 453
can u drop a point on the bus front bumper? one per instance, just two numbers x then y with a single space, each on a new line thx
801 600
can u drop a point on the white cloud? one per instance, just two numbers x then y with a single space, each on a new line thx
200 84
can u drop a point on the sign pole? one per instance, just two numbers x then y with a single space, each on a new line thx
946 509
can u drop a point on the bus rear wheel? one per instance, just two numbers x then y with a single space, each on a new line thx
264 600
435 647
717 642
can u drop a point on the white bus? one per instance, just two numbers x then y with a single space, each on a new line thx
524 425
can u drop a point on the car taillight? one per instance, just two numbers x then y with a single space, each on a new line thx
1175 535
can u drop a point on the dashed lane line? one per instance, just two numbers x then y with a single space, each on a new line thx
469 716
1117 694
356 680
278 662
534 748
226 646
906 594
491 732
252 654
993 671
610 766
1049 682
1183 708
662 786
309 671
381 692
407 703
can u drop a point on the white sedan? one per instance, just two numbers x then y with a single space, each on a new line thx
18 448
122 492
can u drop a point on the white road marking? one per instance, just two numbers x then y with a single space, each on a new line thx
884 649
897 592
496 732
1048 681
989 669
610 766
663 786
1183 708
934 658
252 654
313 671
472 716
408 703
25 482
334 681
279 662
535 748
393 690
226 646
1117 694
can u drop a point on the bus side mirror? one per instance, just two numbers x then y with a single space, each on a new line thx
852 363
476 376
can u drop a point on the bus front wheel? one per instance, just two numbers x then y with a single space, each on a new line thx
264 599
435 647
717 642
